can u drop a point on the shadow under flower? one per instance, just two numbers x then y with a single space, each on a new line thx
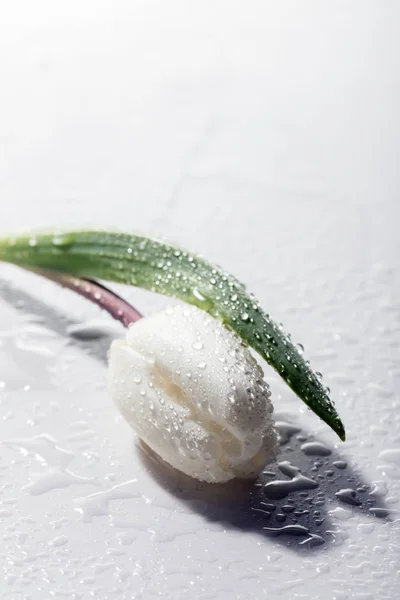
302 501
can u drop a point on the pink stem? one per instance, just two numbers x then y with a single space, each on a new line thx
116 306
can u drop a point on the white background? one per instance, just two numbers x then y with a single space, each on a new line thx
264 135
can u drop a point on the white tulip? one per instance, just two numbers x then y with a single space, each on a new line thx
194 394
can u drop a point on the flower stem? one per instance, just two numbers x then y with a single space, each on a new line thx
97 293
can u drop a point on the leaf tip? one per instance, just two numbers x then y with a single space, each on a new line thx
340 430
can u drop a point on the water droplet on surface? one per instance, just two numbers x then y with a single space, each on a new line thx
285 431
342 514
379 489
366 527
315 449
97 504
280 517
287 508
281 488
381 513
391 456
348 496
296 529
59 541
340 464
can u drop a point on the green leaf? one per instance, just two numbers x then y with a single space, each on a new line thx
166 269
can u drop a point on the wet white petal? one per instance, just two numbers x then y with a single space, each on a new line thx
194 394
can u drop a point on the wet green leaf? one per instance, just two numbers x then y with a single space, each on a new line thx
166 269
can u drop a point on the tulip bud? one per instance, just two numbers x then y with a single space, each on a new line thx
194 394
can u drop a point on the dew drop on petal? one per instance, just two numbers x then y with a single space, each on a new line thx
231 398
197 346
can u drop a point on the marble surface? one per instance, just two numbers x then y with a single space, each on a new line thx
264 135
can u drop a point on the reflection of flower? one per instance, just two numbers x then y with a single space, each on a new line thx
194 394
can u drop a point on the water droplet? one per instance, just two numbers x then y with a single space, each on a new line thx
231 398
281 488
285 431
342 514
245 317
315 449
391 456
197 346
381 513
288 529
348 496
300 348
62 240
380 489
280 517
59 541
340 464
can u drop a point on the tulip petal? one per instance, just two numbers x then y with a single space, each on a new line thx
213 422
161 422
209 364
